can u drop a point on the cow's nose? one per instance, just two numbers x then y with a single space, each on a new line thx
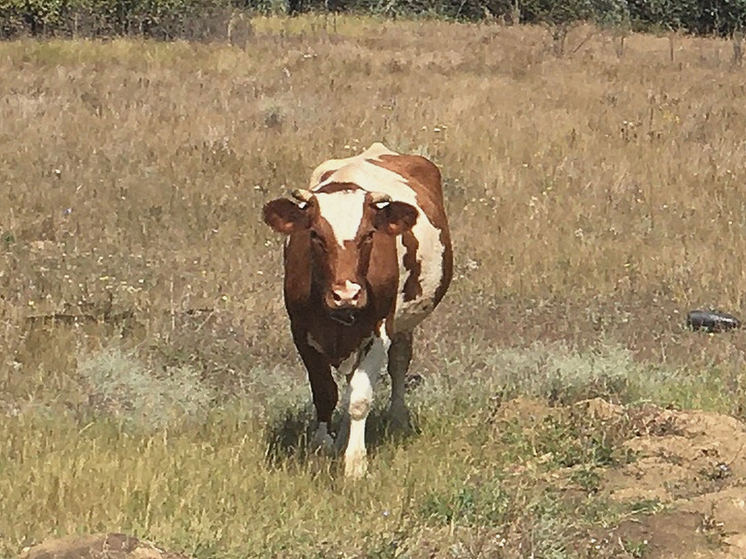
347 295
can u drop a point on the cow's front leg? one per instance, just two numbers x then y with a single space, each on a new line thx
323 388
360 390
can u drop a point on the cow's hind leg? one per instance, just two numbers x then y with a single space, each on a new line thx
324 390
400 355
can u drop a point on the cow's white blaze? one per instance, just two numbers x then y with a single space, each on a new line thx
344 212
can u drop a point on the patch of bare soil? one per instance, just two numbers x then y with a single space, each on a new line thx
692 464
98 546
679 475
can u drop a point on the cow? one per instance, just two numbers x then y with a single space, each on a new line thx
367 257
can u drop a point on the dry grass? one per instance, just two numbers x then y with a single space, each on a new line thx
594 199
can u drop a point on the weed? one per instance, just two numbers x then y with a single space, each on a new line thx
635 549
588 479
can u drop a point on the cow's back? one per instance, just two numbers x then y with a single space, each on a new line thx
424 254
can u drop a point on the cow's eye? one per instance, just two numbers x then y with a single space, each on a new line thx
368 237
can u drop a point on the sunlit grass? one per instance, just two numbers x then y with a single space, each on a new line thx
236 483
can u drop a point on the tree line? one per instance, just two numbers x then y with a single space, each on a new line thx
206 19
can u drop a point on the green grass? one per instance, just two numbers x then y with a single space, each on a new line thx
231 482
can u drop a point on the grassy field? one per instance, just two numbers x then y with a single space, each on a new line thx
148 383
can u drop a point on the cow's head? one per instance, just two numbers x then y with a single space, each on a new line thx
340 225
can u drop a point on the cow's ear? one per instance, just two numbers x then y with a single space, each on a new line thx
284 216
396 218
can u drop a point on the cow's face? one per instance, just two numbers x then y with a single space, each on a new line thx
340 226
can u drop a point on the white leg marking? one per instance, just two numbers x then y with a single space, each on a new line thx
361 400
345 369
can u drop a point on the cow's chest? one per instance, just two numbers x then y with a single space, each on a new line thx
339 344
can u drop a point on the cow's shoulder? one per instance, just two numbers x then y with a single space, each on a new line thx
422 177
421 174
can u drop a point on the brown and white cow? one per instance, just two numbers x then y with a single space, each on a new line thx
367 258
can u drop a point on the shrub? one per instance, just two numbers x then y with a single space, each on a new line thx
121 386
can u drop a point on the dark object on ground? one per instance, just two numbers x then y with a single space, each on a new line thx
712 321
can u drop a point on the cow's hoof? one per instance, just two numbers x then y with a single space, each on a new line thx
399 419
356 465
322 442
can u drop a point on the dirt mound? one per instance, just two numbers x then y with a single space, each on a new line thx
680 474
98 546
692 465
681 455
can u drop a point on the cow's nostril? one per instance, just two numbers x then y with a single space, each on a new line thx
336 296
